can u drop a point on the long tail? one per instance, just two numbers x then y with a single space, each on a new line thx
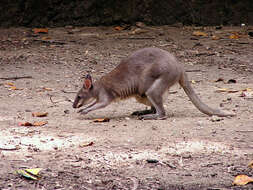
197 102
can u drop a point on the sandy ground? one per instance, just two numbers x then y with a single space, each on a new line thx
189 150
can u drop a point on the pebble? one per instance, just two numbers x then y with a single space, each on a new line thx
215 118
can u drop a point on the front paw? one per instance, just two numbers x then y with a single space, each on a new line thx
82 111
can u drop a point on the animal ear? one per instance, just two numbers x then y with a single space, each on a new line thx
87 82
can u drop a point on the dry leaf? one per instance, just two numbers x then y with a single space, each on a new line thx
199 33
222 90
25 124
215 37
226 90
39 123
101 120
45 38
43 89
47 89
137 31
232 91
13 88
251 164
118 28
86 144
242 180
234 36
36 123
39 114
40 30
34 171
10 83
219 80
247 90
30 173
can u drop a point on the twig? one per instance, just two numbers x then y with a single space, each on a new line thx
68 100
168 164
243 42
163 45
195 70
210 164
50 41
55 102
135 38
247 131
64 91
135 183
50 97
15 78
9 149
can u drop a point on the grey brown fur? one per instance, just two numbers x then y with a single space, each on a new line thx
146 75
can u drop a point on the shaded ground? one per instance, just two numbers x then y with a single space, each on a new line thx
193 151
109 12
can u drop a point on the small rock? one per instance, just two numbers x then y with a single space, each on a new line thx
231 81
213 174
66 111
246 94
152 161
200 123
219 80
218 27
69 27
178 25
154 128
215 118
140 24
138 162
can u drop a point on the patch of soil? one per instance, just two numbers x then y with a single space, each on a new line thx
188 150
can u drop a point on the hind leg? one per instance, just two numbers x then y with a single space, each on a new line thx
144 100
159 109
155 96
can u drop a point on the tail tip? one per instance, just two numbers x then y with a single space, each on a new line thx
227 114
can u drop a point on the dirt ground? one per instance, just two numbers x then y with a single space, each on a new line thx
188 150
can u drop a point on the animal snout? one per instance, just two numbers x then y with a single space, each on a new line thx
77 105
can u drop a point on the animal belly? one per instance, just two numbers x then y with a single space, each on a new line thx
143 100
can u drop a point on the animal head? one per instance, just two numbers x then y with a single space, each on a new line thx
84 95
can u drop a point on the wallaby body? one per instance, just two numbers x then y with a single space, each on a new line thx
146 75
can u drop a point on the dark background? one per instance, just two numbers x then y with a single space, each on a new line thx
111 12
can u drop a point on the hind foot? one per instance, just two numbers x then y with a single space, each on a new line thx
152 117
144 112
